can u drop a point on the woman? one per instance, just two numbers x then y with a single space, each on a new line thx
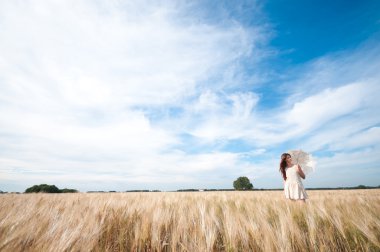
292 175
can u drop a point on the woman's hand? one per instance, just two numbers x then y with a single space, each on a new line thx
300 172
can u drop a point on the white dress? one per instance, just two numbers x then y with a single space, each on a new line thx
293 185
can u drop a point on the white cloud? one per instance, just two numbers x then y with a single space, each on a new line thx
76 76
347 168
334 135
175 170
137 54
329 104
223 116
367 138
236 118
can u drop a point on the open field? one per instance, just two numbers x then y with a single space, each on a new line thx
191 221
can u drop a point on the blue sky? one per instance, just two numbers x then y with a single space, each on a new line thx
166 95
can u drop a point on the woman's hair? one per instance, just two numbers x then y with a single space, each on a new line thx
283 164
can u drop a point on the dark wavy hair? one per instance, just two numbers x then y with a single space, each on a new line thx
283 164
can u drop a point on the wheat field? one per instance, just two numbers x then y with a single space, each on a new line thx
190 221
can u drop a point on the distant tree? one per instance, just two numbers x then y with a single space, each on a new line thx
66 190
242 183
43 188
188 190
48 189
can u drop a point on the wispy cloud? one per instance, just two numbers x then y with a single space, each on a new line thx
78 78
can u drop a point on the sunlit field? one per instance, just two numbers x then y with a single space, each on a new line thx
190 221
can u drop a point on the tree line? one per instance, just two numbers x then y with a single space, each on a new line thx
241 184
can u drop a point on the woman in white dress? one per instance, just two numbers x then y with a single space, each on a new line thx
292 175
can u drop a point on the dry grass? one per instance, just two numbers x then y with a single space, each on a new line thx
199 221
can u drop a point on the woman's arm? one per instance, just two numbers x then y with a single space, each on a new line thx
300 172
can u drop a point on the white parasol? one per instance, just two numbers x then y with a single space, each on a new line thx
303 159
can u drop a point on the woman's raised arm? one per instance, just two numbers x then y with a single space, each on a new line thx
300 172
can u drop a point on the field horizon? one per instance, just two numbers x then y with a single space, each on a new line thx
358 187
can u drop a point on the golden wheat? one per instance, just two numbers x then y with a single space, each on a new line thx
191 221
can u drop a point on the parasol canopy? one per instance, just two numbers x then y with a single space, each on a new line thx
303 159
